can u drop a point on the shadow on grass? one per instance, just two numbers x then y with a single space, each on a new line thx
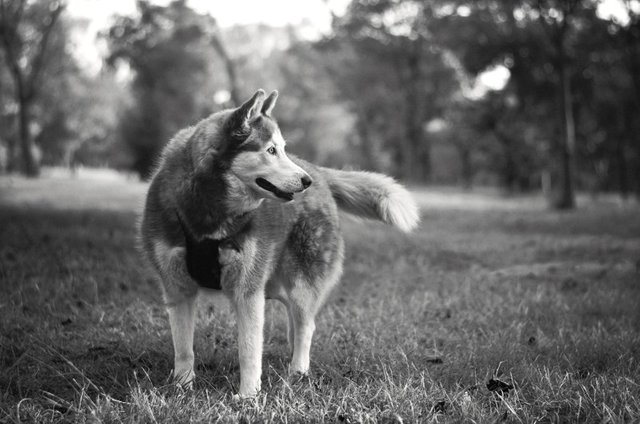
66 276
50 371
33 369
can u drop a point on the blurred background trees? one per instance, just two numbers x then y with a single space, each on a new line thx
33 44
399 86
169 53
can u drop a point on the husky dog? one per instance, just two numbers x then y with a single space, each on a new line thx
228 210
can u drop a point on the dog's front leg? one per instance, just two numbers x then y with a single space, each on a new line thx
238 280
182 321
180 293
250 317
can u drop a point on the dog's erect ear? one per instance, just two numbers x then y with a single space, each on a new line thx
269 103
239 120
251 106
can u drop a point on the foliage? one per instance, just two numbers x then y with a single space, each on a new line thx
169 50
315 122
34 45
91 113
538 41
395 79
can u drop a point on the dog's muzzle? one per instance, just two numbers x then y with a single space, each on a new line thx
281 194
284 195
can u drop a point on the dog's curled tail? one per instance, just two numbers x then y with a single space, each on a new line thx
371 195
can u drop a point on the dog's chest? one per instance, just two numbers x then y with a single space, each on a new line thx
203 262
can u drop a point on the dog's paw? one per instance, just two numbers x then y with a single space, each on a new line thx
239 397
183 379
296 377
296 368
248 390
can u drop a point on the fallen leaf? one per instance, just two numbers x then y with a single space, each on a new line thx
499 387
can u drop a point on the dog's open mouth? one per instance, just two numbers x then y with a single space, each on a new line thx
284 195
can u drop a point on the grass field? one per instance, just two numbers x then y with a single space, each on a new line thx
487 289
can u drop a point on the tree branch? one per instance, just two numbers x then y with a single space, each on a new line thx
9 35
38 59
216 41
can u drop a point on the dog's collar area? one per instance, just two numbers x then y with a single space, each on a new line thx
202 254
263 183
227 229
231 227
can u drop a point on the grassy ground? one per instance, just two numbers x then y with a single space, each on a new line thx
487 288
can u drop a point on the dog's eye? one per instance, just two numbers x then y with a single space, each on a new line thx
271 150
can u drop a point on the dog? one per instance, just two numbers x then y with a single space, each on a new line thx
228 210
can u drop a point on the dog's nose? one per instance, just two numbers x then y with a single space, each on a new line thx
306 182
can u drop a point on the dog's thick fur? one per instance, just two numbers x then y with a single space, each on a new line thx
219 215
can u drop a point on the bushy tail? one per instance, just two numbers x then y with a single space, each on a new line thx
375 196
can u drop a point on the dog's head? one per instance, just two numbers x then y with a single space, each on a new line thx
250 144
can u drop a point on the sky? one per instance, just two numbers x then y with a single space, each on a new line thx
274 12
316 14
98 13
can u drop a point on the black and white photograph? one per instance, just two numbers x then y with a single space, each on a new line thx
320 211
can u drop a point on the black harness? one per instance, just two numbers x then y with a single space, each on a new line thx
202 256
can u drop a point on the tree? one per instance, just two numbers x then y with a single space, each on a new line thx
7 133
25 33
543 43
386 64
229 63
170 53
627 41
311 115
79 120
556 16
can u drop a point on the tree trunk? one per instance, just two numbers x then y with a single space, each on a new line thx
636 174
467 167
30 165
621 157
635 137
26 83
566 198
416 160
416 152
509 168
11 154
633 65
623 184
230 67
366 145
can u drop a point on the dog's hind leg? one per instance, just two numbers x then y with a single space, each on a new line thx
182 321
304 300
291 330
303 317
